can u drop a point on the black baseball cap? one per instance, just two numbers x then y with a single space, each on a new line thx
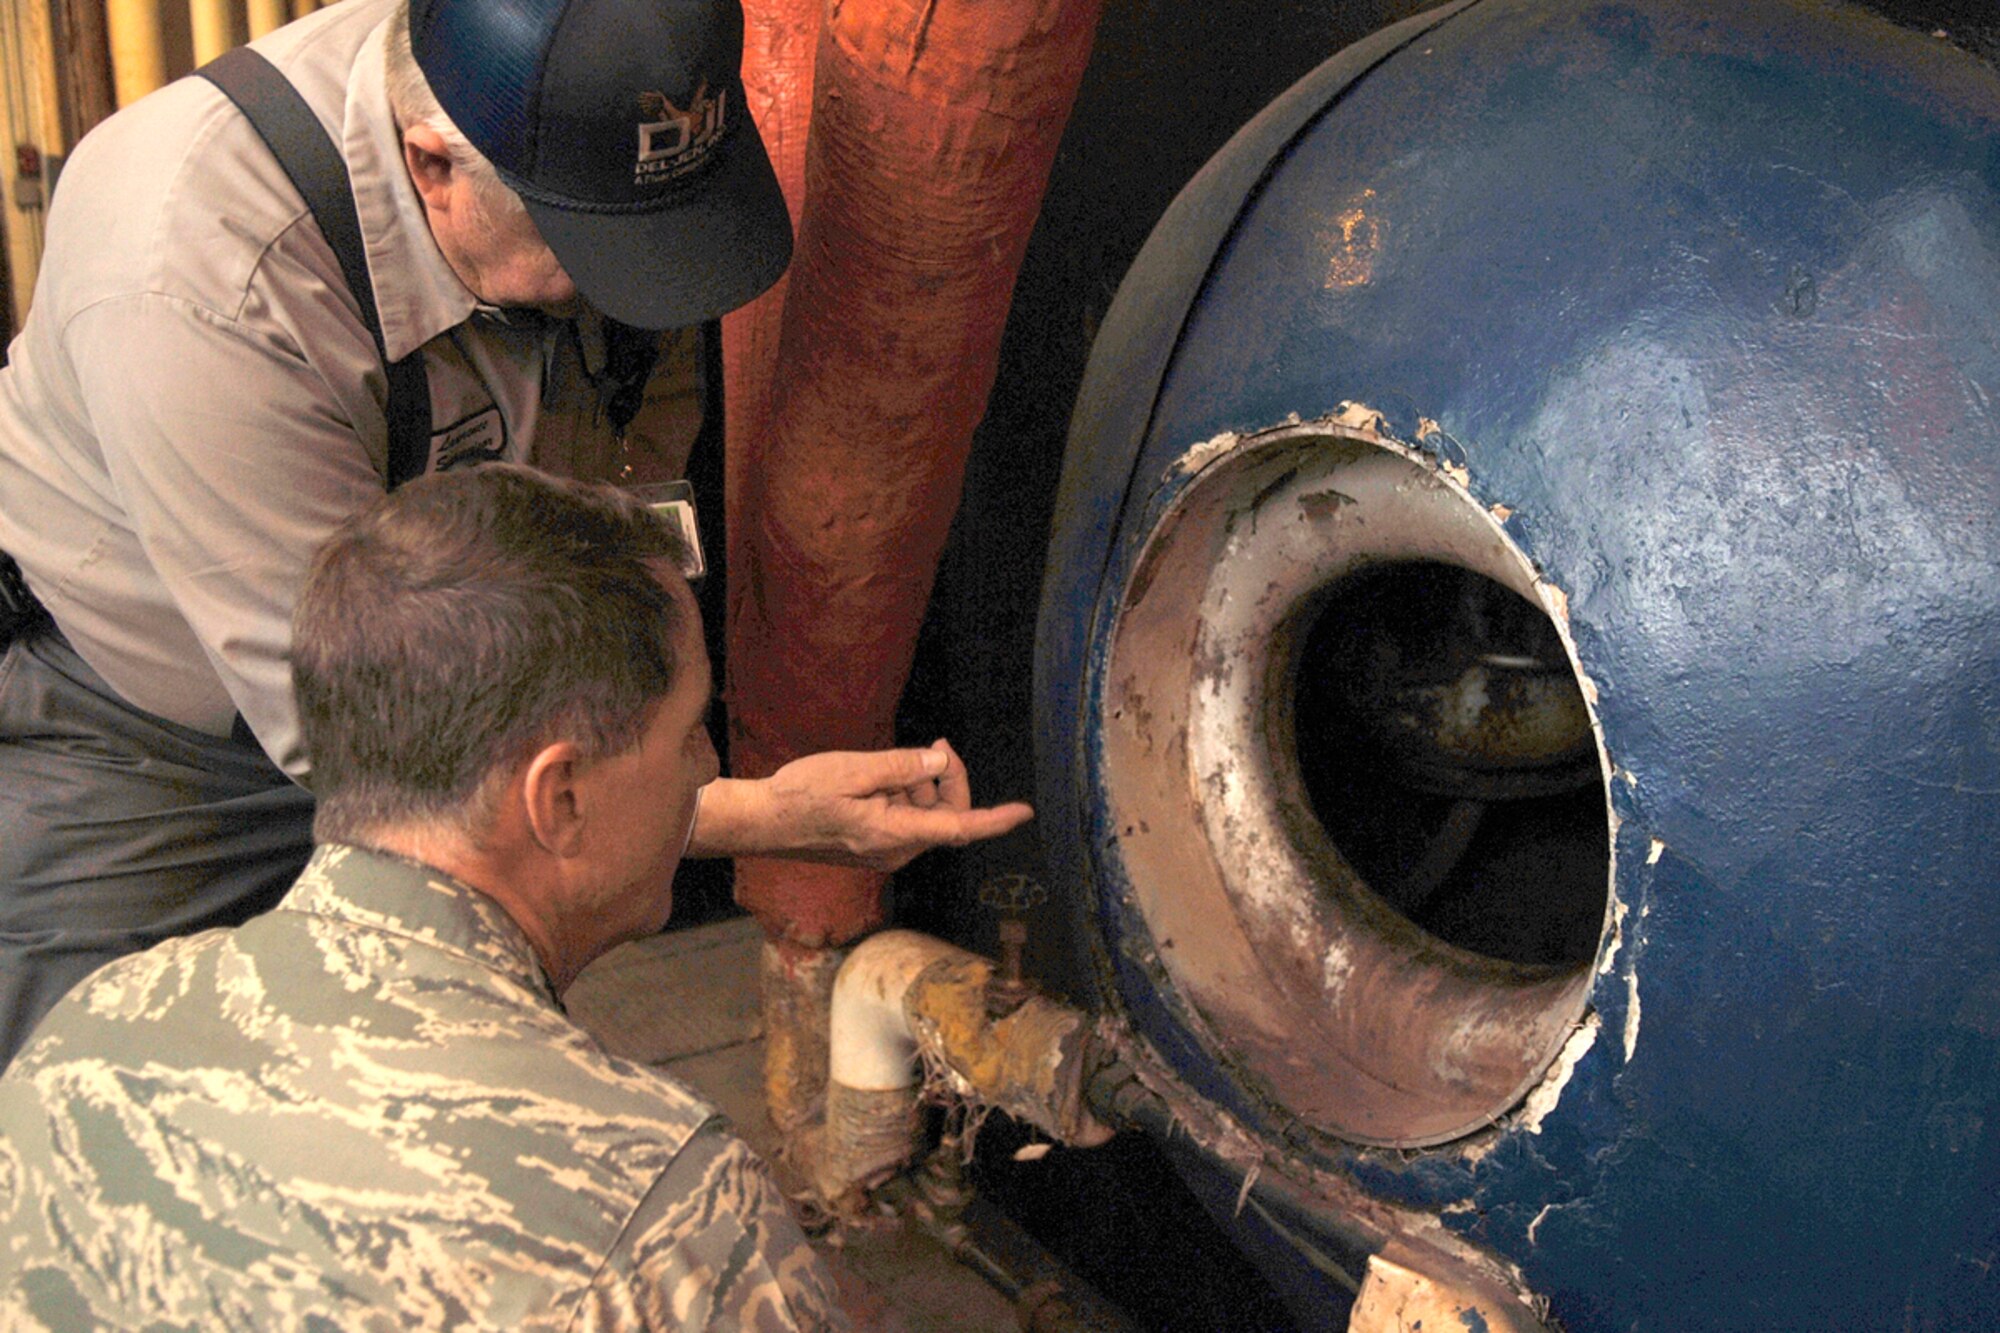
622 126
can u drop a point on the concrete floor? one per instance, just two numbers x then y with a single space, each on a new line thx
686 1003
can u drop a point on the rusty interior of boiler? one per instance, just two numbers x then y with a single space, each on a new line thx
1445 745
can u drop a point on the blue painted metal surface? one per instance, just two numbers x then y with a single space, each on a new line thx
1708 296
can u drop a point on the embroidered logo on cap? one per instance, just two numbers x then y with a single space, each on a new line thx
674 141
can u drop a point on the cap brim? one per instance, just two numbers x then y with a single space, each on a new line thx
715 246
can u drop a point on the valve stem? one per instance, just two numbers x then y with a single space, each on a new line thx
1011 896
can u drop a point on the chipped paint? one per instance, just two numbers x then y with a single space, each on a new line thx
1319 505
1543 1099
1501 513
1556 600
1201 455
1261 946
1352 244
1655 851
1249 1183
1396 1298
1614 938
1360 416
1631 1011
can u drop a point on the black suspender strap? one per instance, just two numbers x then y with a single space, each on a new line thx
307 153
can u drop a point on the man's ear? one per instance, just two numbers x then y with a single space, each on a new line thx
552 800
429 160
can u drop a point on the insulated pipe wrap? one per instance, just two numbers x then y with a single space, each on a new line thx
933 130
797 999
779 38
900 993
1028 1063
868 1137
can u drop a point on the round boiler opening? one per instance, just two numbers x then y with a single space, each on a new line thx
1353 785
1445 747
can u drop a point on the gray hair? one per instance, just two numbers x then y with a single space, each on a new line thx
412 102
466 620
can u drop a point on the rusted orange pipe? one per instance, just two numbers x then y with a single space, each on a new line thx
779 39
934 125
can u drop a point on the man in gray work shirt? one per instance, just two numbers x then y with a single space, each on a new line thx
195 402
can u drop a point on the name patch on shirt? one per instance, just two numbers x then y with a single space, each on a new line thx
478 438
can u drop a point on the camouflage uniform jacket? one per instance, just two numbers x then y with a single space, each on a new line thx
366 1109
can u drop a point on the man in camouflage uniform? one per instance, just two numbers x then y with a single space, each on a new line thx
368 1108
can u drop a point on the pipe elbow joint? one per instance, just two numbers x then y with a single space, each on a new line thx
909 1011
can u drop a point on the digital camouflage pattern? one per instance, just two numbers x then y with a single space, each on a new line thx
367 1110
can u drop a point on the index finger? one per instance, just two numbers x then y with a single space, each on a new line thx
939 827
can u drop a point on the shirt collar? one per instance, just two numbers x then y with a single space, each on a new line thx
417 293
403 897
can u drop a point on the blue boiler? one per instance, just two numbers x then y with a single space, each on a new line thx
1519 668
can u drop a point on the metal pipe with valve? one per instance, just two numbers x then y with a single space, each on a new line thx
910 1011
915 1017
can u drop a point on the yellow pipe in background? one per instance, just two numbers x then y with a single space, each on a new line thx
138 48
301 8
216 26
265 15
31 133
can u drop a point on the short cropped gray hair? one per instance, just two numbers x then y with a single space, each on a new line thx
462 622
412 102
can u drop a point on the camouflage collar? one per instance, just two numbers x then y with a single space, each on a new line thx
398 896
